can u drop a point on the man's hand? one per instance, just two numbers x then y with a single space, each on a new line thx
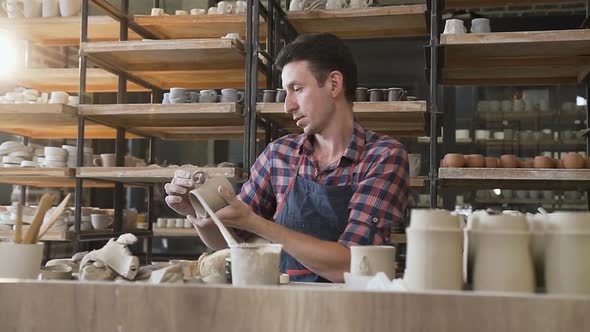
178 190
237 214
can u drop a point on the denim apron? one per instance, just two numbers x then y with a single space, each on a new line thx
316 210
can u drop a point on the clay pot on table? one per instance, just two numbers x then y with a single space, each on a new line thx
573 161
508 161
454 160
543 162
474 160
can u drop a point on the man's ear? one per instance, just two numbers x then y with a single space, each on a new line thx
336 81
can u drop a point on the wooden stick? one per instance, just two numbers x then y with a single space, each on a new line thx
19 224
44 205
56 213
224 232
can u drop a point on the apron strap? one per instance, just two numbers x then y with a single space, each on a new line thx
291 183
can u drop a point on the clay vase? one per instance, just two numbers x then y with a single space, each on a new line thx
567 267
508 161
454 160
474 160
503 261
491 162
543 162
434 259
573 161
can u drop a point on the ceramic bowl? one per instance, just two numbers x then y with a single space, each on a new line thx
57 272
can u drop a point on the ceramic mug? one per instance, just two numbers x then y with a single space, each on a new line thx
281 95
32 8
269 96
70 7
157 12
297 5
375 95
369 260
100 221
59 97
361 94
208 96
231 96
180 12
50 8
106 160
454 26
225 7
13 8
198 11
206 189
480 25
241 7
395 94
181 96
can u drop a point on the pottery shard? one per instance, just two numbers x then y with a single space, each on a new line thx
127 239
145 272
78 256
168 274
90 272
64 261
213 264
116 256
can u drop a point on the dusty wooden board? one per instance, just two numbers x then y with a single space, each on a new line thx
66 132
196 26
499 3
46 177
515 178
62 31
197 133
404 118
189 63
109 306
529 57
68 80
149 174
176 232
49 236
169 115
373 22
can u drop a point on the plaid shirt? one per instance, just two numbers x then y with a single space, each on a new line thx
380 181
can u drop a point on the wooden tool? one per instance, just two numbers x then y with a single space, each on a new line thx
224 231
19 224
44 205
56 213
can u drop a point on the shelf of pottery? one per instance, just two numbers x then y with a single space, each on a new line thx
522 126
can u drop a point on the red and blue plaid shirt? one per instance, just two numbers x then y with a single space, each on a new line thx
380 181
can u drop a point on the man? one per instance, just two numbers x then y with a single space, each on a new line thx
317 193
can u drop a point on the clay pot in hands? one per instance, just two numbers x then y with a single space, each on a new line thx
543 162
491 162
474 160
508 161
573 161
454 160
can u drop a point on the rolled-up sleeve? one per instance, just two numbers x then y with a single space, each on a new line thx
379 200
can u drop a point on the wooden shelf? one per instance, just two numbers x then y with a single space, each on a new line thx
549 145
532 116
157 119
189 63
373 22
496 3
62 31
515 178
151 174
514 58
67 79
176 232
398 119
48 121
49 236
46 177
196 26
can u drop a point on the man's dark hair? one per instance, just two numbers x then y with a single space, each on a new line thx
325 53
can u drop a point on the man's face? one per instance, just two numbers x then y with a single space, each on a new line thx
311 106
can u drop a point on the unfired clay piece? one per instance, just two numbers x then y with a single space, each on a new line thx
78 256
90 272
169 274
213 264
64 261
116 256
127 239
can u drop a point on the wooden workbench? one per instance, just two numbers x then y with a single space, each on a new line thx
75 306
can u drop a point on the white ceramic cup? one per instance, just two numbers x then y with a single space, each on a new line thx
207 96
106 160
180 12
32 8
50 8
454 26
462 134
232 35
59 97
212 11
225 7
70 7
22 261
264 257
157 12
241 7
480 25
369 260
100 221
231 96
198 11
13 8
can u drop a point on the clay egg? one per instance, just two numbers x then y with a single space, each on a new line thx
454 160
491 162
508 161
573 161
543 162
474 160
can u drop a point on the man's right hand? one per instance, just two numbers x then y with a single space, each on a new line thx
178 190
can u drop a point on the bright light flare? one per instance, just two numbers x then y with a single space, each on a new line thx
8 55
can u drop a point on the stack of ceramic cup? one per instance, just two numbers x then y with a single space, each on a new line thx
55 157
15 154
498 254
63 220
566 253
72 154
434 253
172 223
